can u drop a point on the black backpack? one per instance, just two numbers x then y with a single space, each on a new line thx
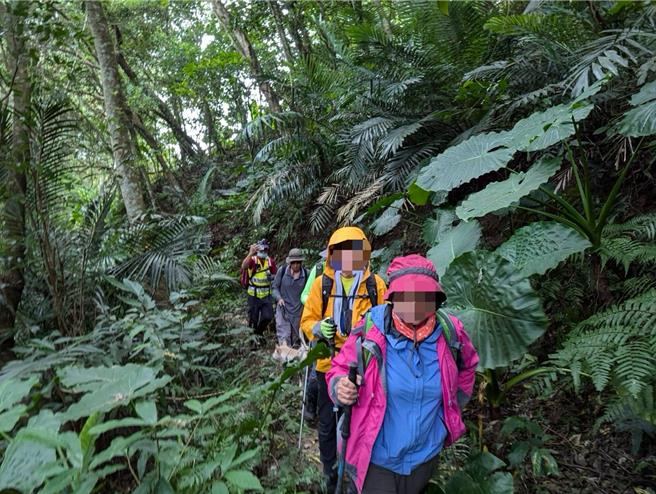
284 270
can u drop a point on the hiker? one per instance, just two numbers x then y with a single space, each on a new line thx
402 416
338 299
257 273
316 270
310 410
287 288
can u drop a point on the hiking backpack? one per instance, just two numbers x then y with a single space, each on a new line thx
327 286
448 329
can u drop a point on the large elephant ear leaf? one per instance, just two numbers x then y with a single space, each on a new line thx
455 242
470 159
543 129
500 195
541 246
387 221
497 305
641 120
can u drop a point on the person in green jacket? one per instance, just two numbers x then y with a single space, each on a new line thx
316 270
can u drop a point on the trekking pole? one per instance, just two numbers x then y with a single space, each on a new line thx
305 385
346 430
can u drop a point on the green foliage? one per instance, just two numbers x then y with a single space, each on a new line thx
470 159
532 447
641 120
481 475
614 347
541 246
499 195
497 305
452 243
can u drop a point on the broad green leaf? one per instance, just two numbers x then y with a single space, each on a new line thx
470 159
479 476
245 456
641 120
25 459
243 479
163 487
434 228
103 427
107 387
219 487
387 221
227 455
497 305
417 195
455 242
13 390
500 195
120 446
9 418
543 129
443 5
194 406
147 410
540 246
646 93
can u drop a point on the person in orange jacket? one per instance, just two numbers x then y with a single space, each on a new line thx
338 299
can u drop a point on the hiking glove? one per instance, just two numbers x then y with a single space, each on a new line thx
328 328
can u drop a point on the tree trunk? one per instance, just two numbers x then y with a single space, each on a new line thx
245 48
188 146
297 29
155 147
116 110
280 27
213 140
17 62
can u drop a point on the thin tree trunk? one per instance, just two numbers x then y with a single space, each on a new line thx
280 27
187 145
116 110
210 124
245 48
17 62
297 29
152 143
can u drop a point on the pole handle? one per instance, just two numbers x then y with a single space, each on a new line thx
346 425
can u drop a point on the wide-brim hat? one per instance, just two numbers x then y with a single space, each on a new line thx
295 255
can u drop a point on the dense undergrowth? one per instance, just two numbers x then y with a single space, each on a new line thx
510 142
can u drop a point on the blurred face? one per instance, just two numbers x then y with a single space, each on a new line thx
349 256
414 307
295 266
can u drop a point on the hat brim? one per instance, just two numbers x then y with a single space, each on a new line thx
295 259
415 283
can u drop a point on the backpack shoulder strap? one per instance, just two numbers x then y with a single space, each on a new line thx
372 289
451 336
364 355
326 288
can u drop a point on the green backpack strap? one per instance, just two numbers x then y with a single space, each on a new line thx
364 356
451 336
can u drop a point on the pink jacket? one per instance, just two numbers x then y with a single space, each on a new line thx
368 413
